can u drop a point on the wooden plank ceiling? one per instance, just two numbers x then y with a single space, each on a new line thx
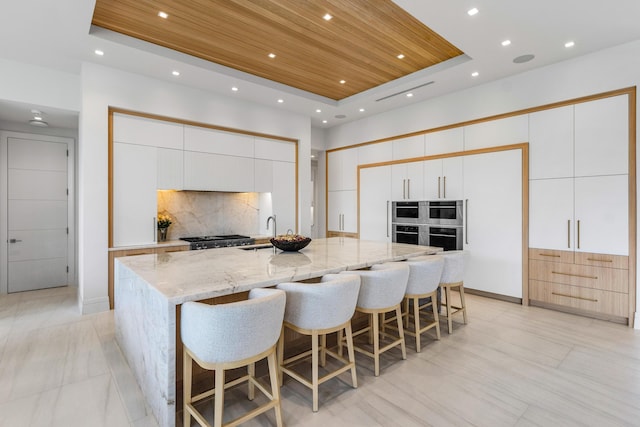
359 45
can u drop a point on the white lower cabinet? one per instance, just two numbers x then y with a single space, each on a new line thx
134 194
342 211
493 222
283 195
375 203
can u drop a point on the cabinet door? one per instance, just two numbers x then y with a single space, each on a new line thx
399 182
602 208
218 142
551 222
511 130
551 143
433 179
283 195
446 141
452 178
415 180
170 169
342 211
274 149
134 194
493 228
407 148
375 203
342 166
375 153
215 172
263 176
144 131
602 137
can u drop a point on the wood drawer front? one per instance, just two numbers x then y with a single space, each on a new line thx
607 279
602 260
613 303
551 255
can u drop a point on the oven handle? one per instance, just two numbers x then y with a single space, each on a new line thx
442 235
387 224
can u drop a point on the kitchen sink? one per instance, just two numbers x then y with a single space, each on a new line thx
256 247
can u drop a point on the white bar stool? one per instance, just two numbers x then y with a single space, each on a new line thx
228 336
382 289
318 309
453 279
424 277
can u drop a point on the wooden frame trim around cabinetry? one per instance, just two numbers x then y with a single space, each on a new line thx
524 147
112 110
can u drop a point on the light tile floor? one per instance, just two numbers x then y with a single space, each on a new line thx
510 366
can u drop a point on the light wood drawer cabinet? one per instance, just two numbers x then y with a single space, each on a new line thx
581 281
576 297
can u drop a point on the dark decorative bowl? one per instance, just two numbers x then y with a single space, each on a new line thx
290 246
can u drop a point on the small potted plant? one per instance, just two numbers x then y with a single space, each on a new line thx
164 221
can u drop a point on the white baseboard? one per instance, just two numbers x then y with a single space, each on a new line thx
95 305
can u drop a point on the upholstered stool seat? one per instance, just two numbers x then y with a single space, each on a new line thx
318 309
228 336
453 279
421 293
382 289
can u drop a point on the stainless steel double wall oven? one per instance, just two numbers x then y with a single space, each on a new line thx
430 223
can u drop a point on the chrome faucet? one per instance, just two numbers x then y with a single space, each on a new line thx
272 217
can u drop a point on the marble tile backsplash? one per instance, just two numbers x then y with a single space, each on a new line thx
205 213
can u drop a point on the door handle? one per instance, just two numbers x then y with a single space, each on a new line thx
578 244
438 187
404 188
14 240
444 187
568 234
408 188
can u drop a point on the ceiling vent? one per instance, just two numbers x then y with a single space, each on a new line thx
405 91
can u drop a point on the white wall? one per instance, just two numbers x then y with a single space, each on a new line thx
103 87
603 71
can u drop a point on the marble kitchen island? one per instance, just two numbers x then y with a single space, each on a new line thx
150 288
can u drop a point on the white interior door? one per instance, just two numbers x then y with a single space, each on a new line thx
37 225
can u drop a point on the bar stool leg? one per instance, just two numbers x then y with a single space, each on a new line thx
375 328
351 352
416 320
219 398
275 387
436 316
447 292
463 304
186 387
314 369
251 371
280 357
401 332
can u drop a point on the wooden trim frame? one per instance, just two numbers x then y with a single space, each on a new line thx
113 110
524 147
630 91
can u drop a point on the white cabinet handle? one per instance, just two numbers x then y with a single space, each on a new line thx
578 244
438 187
404 188
408 188
569 234
466 221
387 225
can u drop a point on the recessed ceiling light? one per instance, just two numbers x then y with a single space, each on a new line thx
327 17
318 111
313 156
280 101
163 15
175 73
472 11
342 82
475 74
272 55
324 121
506 43
409 95
98 52
362 110
235 89
570 44
401 56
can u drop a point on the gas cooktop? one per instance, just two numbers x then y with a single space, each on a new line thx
219 241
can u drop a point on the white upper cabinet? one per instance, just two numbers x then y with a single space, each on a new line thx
284 195
215 172
170 169
217 142
602 137
407 181
273 149
445 141
551 143
134 194
443 178
375 153
407 148
342 169
507 131
263 176
143 131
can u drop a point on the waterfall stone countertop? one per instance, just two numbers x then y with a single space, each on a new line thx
197 275
149 290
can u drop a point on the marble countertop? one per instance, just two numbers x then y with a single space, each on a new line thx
197 275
